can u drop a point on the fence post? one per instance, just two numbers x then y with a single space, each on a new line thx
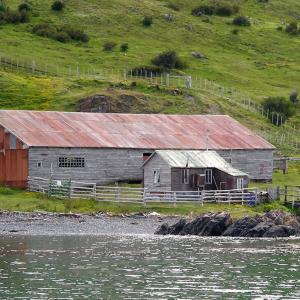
242 196
95 191
144 197
202 197
33 66
174 199
285 194
50 187
70 189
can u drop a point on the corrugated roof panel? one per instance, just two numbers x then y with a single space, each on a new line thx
144 131
196 159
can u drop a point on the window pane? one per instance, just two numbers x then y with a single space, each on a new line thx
71 162
13 142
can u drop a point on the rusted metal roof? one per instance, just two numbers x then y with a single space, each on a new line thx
141 131
196 159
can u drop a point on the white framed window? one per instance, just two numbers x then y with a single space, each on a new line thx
71 162
12 142
39 164
156 176
185 174
240 183
208 176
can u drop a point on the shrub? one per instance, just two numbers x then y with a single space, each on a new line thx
62 37
279 109
173 6
61 34
168 60
223 9
24 7
294 96
109 46
3 6
235 31
14 17
146 71
124 47
76 34
292 28
242 21
147 21
58 5
203 10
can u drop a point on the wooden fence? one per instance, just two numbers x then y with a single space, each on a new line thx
292 195
82 190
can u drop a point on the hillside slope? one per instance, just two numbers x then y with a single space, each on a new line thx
259 60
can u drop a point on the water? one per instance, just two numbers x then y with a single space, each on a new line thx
148 267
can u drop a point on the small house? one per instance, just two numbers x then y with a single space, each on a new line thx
181 170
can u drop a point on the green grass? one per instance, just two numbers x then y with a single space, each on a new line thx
17 200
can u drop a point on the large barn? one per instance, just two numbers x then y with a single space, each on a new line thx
105 148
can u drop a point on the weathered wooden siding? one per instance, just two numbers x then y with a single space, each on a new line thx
165 174
101 165
13 162
258 164
230 182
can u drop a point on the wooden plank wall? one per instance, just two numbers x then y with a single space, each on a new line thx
13 162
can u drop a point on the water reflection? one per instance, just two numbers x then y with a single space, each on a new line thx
148 267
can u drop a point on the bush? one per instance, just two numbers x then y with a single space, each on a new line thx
24 7
76 34
109 46
62 37
61 34
242 21
235 31
226 10
279 109
294 96
14 17
124 47
292 28
3 6
223 9
146 71
147 21
58 5
203 10
174 6
168 60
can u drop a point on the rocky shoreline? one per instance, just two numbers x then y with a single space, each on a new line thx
46 223
271 225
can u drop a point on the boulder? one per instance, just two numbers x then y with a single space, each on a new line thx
272 224
198 55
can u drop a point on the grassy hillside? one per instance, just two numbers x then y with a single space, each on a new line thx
259 60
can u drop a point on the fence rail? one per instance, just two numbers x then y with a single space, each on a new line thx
79 190
292 195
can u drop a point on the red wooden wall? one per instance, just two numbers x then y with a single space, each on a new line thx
13 162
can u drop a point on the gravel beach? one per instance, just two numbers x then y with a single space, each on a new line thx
43 223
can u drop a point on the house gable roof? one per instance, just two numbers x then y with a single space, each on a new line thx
196 159
139 131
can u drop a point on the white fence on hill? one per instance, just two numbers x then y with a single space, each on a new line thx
286 134
81 190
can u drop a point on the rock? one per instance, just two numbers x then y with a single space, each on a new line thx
280 231
198 55
272 224
163 229
169 17
241 227
259 230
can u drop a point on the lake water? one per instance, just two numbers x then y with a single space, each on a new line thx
148 267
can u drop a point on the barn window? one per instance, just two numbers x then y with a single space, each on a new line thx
39 164
71 162
208 176
156 174
13 142
185 176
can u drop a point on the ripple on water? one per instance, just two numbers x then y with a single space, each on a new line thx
148 267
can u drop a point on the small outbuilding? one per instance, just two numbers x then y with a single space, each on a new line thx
182 170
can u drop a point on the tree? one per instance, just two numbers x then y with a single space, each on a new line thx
168 60
294 96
